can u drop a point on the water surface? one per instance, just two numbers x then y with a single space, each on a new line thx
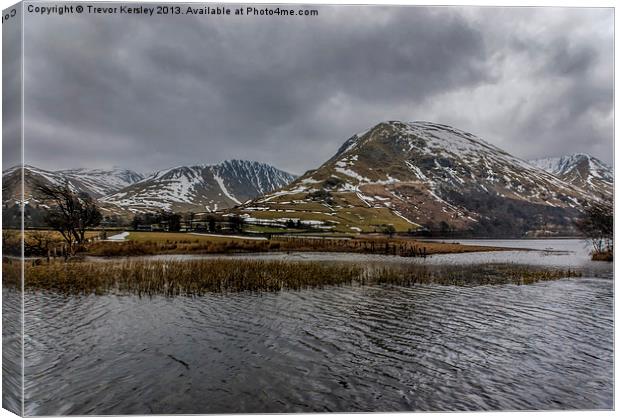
352 348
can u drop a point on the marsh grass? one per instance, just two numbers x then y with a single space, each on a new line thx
468 275
603 256
187 246
198 277
385 246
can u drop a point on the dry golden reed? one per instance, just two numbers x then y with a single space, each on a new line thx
376 245
195 277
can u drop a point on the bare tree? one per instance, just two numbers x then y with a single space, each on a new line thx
173 220
40 243
69 213
389 230
211 223
189 220
236 223
11 242
597 224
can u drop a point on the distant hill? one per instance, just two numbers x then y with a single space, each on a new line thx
200 188
581 170
121 192
403 176
99 182
95 182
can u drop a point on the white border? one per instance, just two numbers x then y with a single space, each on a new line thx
521 3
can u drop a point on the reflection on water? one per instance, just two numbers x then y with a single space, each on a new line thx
351 348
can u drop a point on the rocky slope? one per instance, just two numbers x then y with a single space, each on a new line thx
424 175
582 170
98 182
95 182
201 188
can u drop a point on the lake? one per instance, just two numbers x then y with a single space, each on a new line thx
547 345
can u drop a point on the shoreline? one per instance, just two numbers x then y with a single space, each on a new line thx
140 243
222 245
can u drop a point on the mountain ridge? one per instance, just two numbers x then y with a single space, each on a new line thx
230 182
416 175
409 176
207 187
582 170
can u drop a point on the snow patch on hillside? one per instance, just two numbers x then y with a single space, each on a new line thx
220 183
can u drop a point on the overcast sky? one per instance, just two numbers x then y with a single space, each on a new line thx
154 92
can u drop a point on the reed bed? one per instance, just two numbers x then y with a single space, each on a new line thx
603 256
468 275
196 277
386 246
172 278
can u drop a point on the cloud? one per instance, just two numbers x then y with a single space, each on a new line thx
11 92
149 93
555 92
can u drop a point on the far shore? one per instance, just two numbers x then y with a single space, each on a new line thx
49 244
145 243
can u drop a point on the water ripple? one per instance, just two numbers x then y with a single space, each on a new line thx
357 348
351 348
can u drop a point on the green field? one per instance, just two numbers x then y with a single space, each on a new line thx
343 219
343 211
144 236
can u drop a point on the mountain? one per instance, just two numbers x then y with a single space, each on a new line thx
11 183
200 188
98 182
95 182
581 170
424 175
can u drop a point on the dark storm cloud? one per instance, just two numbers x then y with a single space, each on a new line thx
11 91
555 92
149 93
577 115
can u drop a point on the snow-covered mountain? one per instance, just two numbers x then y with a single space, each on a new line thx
95 182
582 170
408 175
200 188
12 181
422 174
99 182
